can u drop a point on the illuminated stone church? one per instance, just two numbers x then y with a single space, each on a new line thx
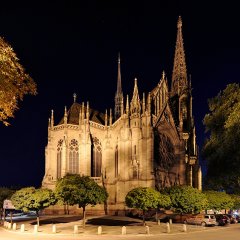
148 140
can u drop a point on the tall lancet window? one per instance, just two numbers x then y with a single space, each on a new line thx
73 165
59 158
96 158
116 161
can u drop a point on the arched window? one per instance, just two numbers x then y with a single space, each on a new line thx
59 158
73 166
96 158
116 161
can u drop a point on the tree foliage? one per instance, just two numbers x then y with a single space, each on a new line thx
14 82
236 201
186 199
219 200
82 190
221 150
31 199
144 198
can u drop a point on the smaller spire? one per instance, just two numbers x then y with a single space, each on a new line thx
65 115
52 118
122 106
110 120
49 122
143 104
87 114
74 97
127 106
149 103
163 74
190 82
106 118
83 112
135 103
80 116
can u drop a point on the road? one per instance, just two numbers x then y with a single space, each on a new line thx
219 233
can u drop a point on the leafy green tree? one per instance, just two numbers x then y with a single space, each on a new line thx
219 200
14 82
221 150
186 199
144 198
236 201
31 199
82 190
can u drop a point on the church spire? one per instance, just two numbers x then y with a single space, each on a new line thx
135 103
119 93
179 75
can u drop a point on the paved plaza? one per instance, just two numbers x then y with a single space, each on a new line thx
100 225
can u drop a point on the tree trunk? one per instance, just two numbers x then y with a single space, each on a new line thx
143 217
105 202
67 209
11 213
84 216
38 222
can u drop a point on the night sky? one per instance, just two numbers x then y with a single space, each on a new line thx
72 48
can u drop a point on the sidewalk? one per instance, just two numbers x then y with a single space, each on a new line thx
105 225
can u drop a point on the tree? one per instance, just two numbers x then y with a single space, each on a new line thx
219 200
14 82
236 201
221 150
186 199
82 190
144 198
31 199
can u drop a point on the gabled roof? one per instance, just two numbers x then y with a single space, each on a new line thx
73 115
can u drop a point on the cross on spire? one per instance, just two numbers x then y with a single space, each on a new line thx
74 97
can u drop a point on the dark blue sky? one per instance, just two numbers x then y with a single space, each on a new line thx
68 47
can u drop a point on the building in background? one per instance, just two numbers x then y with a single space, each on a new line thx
149 140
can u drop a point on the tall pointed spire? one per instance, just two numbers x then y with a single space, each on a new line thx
179 75
119 93
119 83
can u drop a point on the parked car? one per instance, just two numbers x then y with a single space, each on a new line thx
222 219
232 218
237 217
202 219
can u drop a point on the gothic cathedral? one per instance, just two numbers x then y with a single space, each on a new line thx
147 141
